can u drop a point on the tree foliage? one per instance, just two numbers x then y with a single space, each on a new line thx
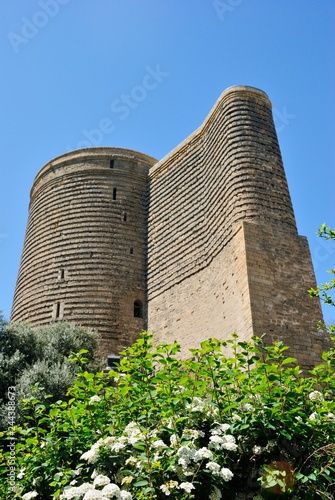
209 427
37 357
323 291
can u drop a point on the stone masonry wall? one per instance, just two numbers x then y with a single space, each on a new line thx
229 170
84 255
280 271
214 302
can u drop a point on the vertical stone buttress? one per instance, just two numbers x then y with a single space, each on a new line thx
224 254
84 254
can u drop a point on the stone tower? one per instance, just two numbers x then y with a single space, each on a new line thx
204 241
84 255
224 252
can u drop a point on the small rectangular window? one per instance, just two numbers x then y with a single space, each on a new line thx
138 309
111 164
57 310
131 251
114 194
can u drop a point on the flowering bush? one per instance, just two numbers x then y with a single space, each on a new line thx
209 427
325 292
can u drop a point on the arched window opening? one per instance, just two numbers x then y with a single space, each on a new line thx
114 194
138 309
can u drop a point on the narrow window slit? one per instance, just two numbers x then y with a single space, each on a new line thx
138 309
57 310
111 164
114 194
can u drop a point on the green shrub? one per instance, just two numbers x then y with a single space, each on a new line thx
37 356
210 427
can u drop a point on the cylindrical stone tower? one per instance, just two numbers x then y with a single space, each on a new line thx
84 255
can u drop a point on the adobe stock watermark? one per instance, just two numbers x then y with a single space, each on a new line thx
11 417
30 27
282 118
222 7
322 252
122 107
3 236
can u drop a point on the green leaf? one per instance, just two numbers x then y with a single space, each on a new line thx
143 482
286 434
289 360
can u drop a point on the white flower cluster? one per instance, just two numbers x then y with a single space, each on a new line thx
170 485
158 444
174 440
187 455
247 407
187 459
21 474
221 441
77 491
236 418
88 491
167 487
226 474
316 396
186 487
220 429
133 429
257 450
92 455
132 434
201 454
197 404
225 442
314 416
94 399
216 470
202 406
101 480
29 495
192 434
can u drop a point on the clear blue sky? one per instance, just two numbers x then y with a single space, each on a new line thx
66 63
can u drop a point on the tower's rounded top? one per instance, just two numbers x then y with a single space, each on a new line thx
96 152
243 88
236 92
92 154
246 90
